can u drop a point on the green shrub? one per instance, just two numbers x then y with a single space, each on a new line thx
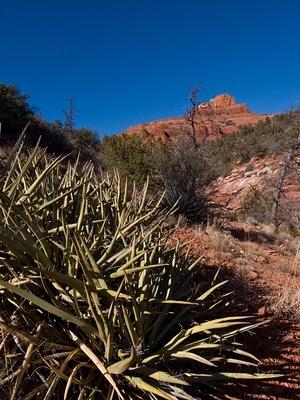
257 205
86 143
51 136
15 111
130 154
294 231
94 304
181 170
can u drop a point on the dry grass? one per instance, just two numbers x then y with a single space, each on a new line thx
242 280
286 303
219 241
292 269
283 237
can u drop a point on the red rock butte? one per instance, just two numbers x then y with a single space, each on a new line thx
221 115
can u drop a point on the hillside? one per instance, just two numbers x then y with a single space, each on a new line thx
224 190
221 115
259 173
262 266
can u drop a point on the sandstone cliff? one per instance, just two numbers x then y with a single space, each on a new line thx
221 115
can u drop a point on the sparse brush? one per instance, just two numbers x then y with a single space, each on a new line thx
220 241
93 303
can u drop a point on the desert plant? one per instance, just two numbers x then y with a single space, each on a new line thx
94 304
285 303
193 206
180 169
257 205
130 154
86 144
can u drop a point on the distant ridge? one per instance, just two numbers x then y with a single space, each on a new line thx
221 115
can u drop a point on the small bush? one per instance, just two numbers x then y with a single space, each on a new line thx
192 206
15 112
294 231
257 205
180 169
129 154
87 145
285 303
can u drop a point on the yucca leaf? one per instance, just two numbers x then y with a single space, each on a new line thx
210 291
220 376
40 178
121 366
98 363
192 356
161 376
146 387
85 326
130 271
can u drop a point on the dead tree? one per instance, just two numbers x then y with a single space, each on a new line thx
279 187
192 112
194 117
70 114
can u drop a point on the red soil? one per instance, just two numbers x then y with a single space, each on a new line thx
257 265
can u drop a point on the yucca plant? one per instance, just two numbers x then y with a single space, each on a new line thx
195 207
94 304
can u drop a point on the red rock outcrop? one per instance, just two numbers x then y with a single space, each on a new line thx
223 104
221 115
262 174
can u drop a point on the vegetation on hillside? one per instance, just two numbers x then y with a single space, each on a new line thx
181 169
273 136
16 113
93 302
131 155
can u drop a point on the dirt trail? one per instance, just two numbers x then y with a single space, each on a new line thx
259 266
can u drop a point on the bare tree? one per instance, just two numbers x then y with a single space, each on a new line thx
201 117
279 186
70 114
192 112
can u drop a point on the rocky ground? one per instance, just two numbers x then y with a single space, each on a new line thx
264 272
260 173
263 269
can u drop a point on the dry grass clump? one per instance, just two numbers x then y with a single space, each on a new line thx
292 269
286 303
220 241
242 280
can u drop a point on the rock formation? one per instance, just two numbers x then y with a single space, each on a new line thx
223 104
221 115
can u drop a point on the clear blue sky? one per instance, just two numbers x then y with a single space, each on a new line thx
131 61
